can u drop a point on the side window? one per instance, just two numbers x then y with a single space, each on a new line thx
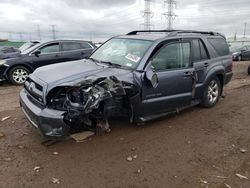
220 46
199 51
69 46
203 51
85 45
172 56
196 50
50 48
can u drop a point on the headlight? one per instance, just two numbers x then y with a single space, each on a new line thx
2 62
235 53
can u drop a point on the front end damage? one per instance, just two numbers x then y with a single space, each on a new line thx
86 106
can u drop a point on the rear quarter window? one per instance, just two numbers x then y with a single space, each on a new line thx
220 46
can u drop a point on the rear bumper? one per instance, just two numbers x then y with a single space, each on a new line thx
49 122
228 77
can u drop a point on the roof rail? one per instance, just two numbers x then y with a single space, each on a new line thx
176 32
150 31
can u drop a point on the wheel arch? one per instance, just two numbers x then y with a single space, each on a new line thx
7 71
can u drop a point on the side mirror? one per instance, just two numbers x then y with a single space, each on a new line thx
37 52
151 76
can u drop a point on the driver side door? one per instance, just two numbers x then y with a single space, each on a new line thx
172 64
49 54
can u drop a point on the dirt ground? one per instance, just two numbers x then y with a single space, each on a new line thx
197 148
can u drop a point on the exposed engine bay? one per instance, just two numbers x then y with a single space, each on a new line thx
90 103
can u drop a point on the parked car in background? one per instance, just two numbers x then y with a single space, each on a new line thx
10 52
140 75
242 53
17 69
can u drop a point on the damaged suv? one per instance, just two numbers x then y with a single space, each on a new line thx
142 75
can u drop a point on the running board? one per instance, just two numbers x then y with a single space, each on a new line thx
175 111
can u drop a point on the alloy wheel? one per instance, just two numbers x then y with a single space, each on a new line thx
20 75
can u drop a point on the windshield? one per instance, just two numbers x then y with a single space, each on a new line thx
124 52
30 49
26 46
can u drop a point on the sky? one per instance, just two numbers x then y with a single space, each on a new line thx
99 20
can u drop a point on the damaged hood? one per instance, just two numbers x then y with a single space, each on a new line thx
72 73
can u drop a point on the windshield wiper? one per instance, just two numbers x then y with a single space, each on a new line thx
111 64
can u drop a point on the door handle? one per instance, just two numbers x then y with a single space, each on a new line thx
206 64
57 55
188 73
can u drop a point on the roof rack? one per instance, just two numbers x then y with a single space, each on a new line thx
176 32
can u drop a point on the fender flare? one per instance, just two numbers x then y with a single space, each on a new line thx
31 69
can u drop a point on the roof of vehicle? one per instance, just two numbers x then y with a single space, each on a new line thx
65 40
160 34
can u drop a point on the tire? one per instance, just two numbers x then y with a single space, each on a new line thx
18 75
212 93
249 70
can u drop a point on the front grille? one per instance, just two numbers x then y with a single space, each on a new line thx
34 89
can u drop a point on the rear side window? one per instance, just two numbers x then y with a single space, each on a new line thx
220 46
85 45
69 46
199 51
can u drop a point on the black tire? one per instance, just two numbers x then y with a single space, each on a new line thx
212 93
18 75
249 70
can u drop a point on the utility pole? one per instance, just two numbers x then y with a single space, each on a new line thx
39 32
170 15
53 31
147 14
244 34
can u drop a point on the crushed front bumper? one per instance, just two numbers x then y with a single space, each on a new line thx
49 122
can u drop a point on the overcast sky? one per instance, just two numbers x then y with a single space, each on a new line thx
101 19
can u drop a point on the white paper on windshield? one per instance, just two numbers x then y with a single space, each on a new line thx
133 58
129 64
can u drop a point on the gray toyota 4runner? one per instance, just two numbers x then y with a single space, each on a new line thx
142 75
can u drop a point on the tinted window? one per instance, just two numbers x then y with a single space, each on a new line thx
50 48
196 51
220 46
171 56
203 51
69 46
85 45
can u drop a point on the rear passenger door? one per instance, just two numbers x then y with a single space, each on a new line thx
87 49
246 52
71 51
76 50
200 59
172 66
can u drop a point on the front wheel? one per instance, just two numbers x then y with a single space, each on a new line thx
212 93
18 75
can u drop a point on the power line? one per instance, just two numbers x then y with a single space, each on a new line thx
169 15
147 14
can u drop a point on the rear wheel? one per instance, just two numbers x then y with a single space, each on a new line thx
18 75
212 93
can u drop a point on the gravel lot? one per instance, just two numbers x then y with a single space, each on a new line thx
196 148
